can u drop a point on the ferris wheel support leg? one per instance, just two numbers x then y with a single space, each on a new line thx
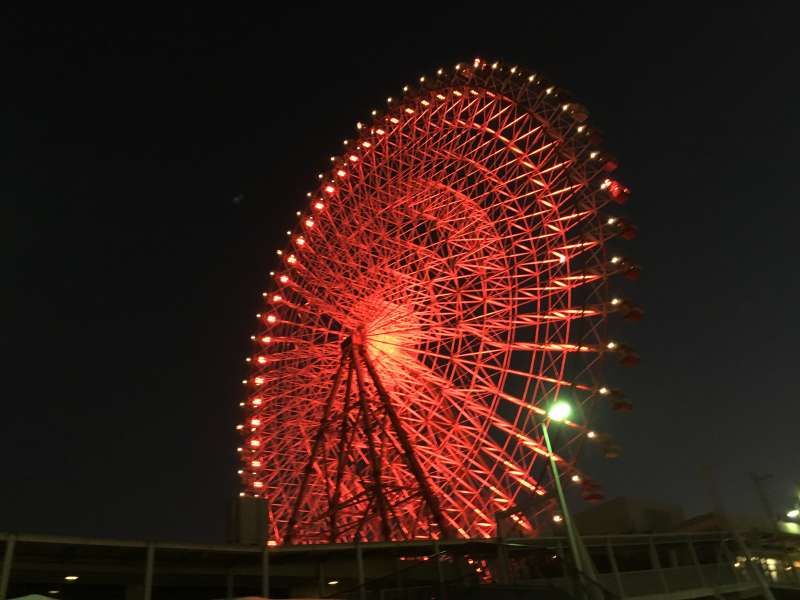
374 457
413 463
340 464
314 450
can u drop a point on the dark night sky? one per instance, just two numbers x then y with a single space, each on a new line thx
131 278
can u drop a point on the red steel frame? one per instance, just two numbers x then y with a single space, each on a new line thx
448 281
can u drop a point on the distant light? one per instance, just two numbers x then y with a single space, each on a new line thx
272 543
557 518
603 391
611 345
71 578
255 463
591 435
559 411
611 220
615 260
256 401
283 278
794 513
319 205
333 582
576 478
271 318
615 301
53 592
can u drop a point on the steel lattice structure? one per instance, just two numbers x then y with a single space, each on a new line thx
447 282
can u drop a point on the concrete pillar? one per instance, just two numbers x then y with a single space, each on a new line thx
8 558
148 571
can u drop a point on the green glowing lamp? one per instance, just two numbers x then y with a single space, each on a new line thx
559 411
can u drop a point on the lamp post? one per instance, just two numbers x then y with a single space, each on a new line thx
558 412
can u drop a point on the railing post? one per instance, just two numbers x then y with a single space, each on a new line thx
614 568
657 565
362 583
229 586
265 571
148 571
696 563
439 572
8 557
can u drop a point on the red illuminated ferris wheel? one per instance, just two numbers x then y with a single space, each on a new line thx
448 281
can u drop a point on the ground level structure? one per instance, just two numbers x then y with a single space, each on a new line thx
672 566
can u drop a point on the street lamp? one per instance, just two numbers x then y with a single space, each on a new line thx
560 411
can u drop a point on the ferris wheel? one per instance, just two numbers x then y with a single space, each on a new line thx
448 280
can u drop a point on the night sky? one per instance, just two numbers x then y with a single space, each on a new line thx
152 162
